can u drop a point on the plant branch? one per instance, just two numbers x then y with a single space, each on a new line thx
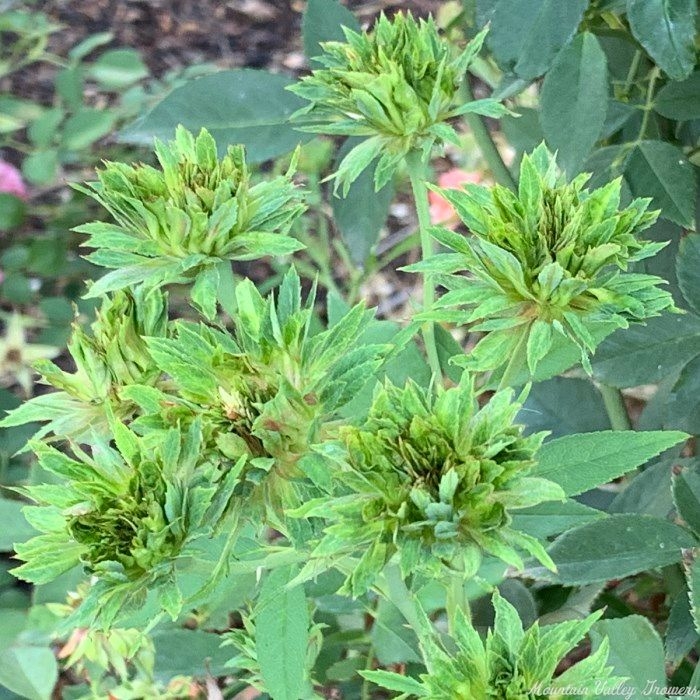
615 407
366 690
632 73
398 593
488 149
456 600
649 104
420 195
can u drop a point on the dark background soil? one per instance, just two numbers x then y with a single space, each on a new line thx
175 33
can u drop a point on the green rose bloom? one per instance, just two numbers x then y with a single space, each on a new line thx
273 386
433 479
510 664
128 514
552 258
110 358
396 85
180 222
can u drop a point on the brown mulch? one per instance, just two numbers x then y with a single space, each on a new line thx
176 33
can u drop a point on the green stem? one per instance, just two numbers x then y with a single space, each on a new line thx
280 556
353 295
366 690
356 275
456 600
632 73
615 407
420 195
372 611
516 362
488 149
398 593
649 104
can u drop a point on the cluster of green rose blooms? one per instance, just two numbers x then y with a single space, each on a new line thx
171 435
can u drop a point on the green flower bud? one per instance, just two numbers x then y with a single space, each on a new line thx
396 85
127 514
115 353
110 358
117 651
123 321
118 662
552 258
434 479
510 664
128 527
269 389
177 223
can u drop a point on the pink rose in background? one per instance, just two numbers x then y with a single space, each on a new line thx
441 211
11 180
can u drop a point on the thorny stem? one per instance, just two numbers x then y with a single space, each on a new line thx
420 195
615 407
488 149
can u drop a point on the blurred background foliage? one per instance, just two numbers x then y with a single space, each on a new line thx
85 81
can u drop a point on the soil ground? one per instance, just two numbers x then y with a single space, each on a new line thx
176 33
